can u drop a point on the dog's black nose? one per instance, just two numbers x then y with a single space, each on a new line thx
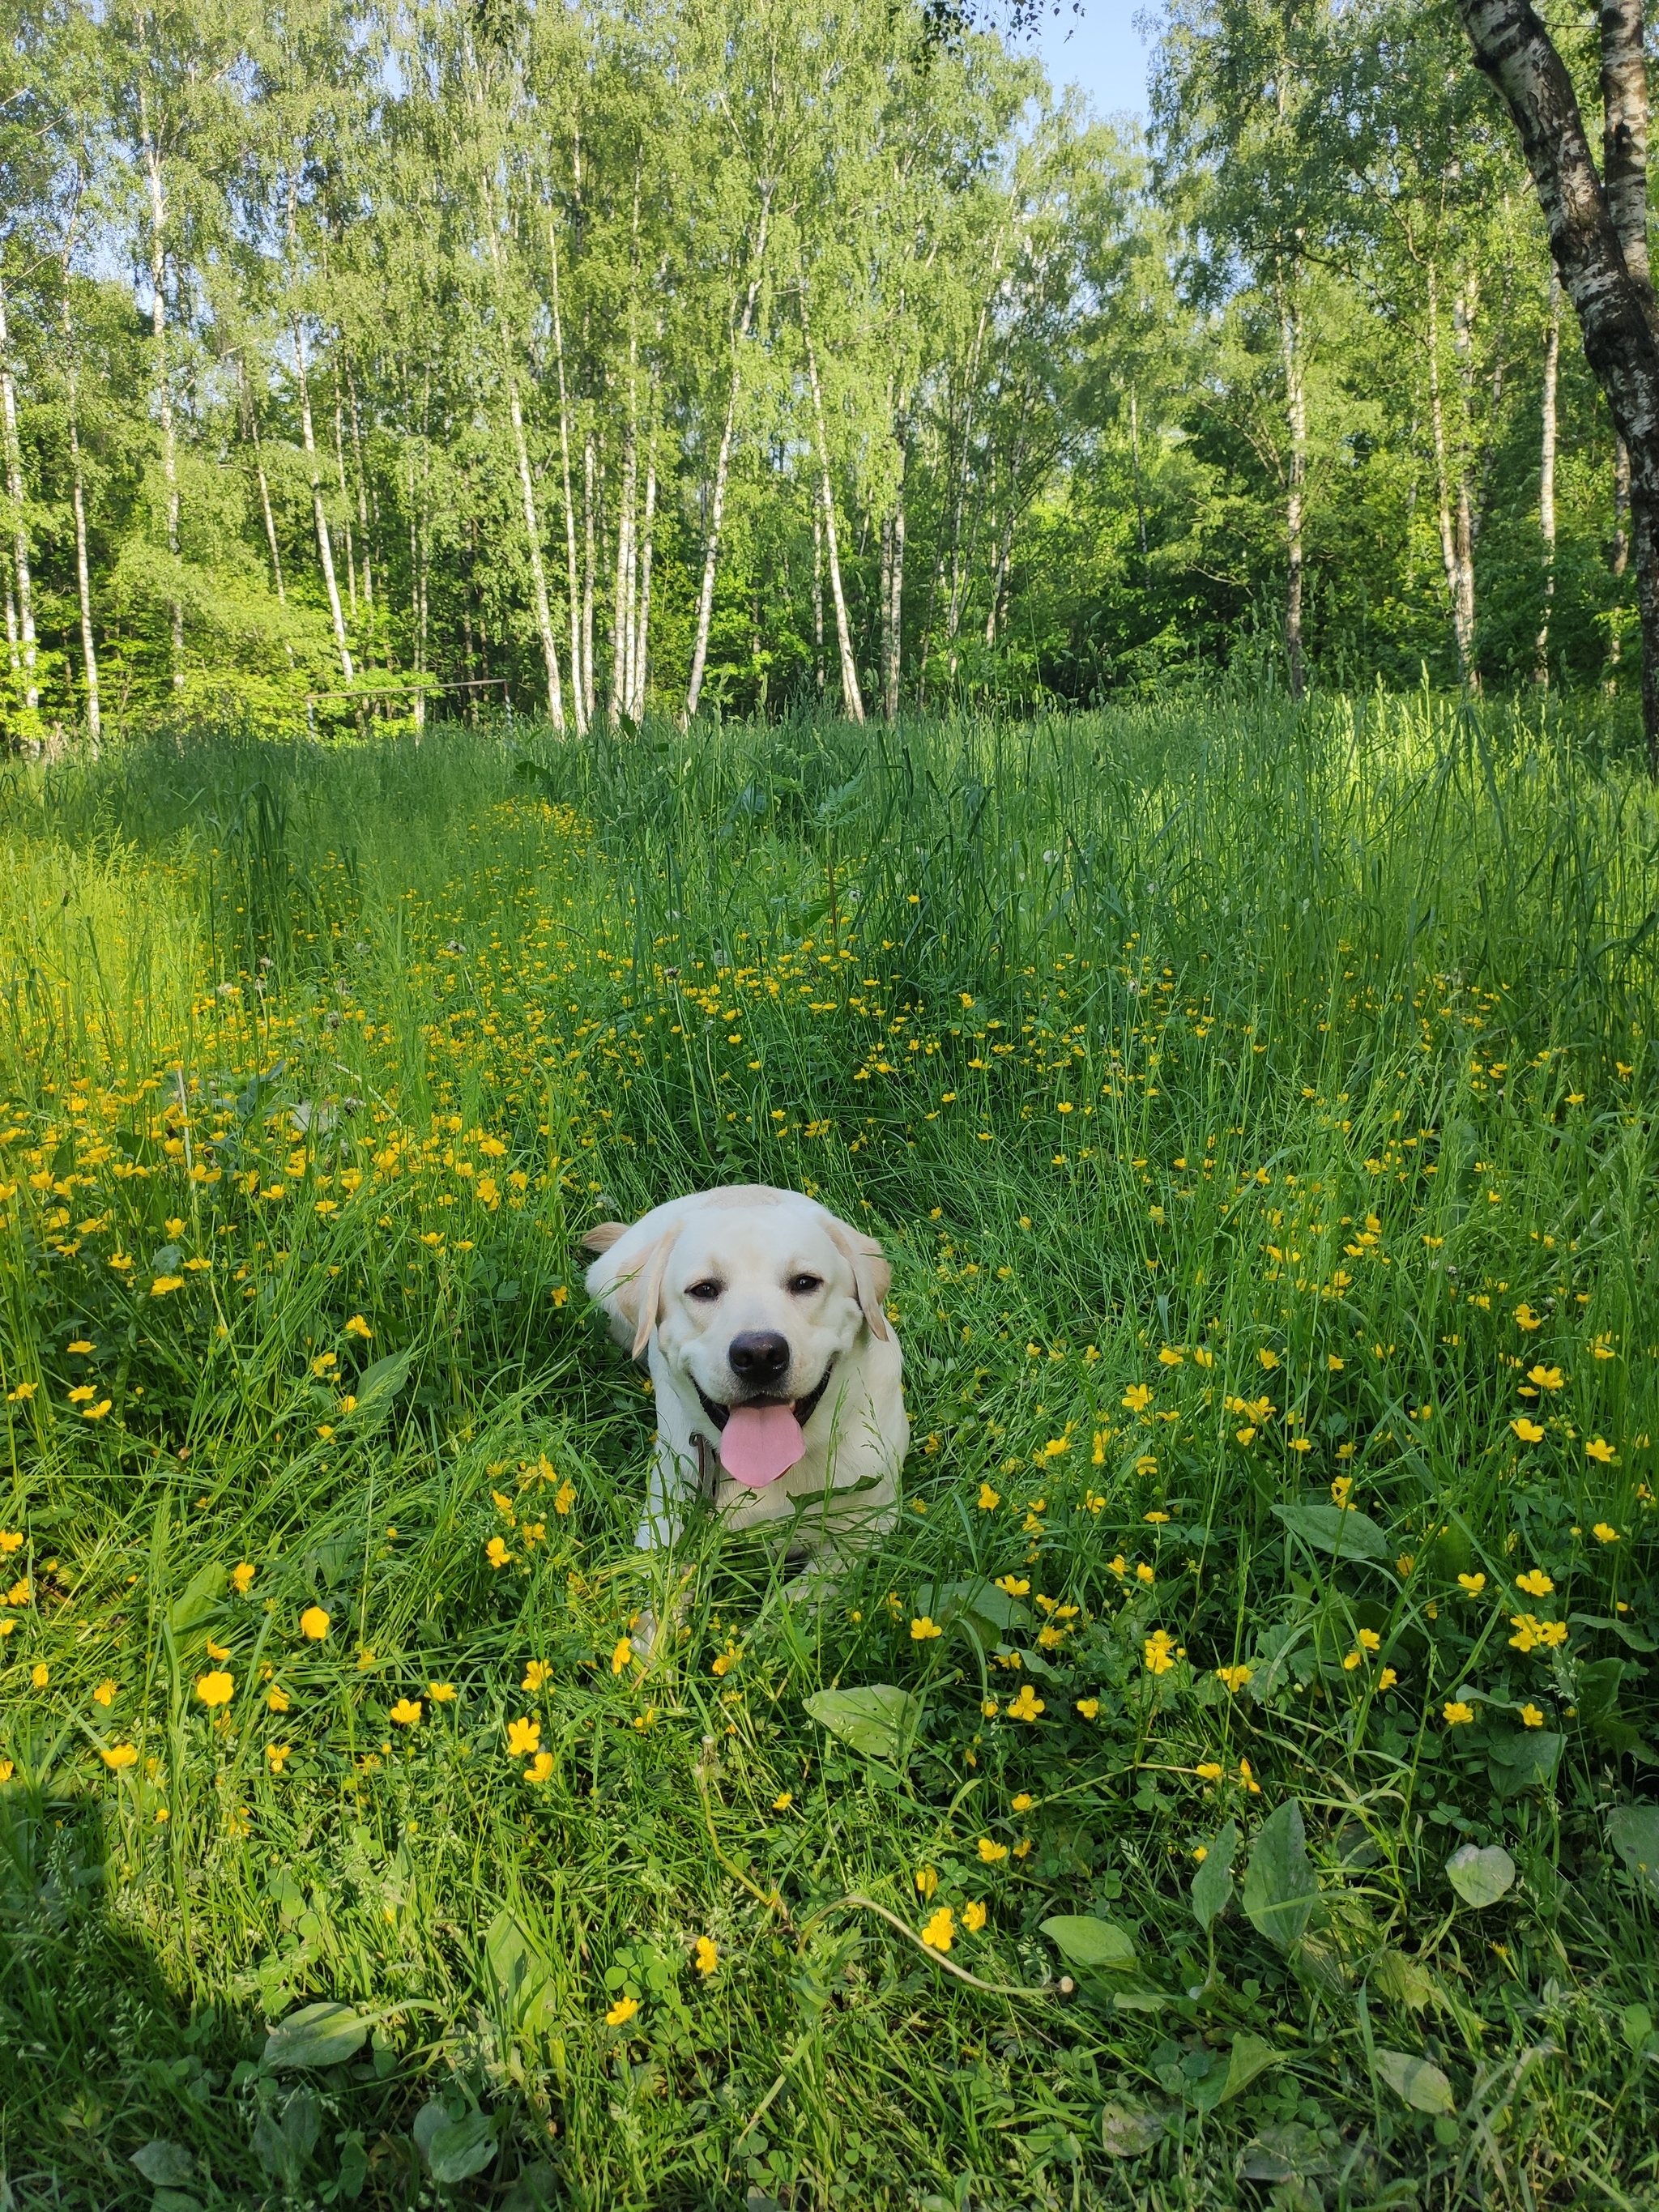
759 1357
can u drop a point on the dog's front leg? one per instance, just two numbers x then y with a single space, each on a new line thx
672 1483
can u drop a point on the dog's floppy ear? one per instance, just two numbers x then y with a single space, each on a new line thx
630 1289
602 1235
871 1272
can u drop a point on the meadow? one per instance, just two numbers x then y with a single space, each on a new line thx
1256 1105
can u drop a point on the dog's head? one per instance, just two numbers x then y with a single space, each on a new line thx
751 1294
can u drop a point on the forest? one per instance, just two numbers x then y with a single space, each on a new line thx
362 360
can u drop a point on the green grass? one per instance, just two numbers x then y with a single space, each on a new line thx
1248 1102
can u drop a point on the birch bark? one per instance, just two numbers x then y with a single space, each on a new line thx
852 698
83 565
1613 302
723 462
153 169
19 539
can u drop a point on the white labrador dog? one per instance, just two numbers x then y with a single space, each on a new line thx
776 1372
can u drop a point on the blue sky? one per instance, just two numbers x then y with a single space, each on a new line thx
1099 49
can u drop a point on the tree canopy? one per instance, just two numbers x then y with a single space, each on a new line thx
365 359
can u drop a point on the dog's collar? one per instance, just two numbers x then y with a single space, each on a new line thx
804 1408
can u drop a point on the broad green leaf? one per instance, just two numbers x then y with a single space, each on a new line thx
1402 1981
878 1721
1083 1940
978 1599
200 1599
317 2035
1481 1877
1633 1832
164 2165
1637 1639
1250 2056
1279 1889
519 1977
1523 1760
378 1386
1423 2086
461 2148
1289 2152
1624 1736
1129 2131
1213 1885
1350 1534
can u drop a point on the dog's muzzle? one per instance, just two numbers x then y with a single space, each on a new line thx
761 1438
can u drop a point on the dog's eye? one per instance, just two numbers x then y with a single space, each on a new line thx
803 1286
705 1292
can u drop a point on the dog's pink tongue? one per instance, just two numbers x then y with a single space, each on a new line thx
760 1443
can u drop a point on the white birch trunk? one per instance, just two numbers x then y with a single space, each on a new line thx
20 528
852 699
1546 473
577 693
163 384
722 465
324 543
83 565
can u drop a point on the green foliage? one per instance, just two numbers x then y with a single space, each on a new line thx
1270 1196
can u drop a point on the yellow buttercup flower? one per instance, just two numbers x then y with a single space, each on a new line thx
1455 1713
940 1929
973 1917
708 1955
1535 1583
540 1768
358 1327
989 1499
215 1688
923 1630
1531 1716
241 1578
992 1852
535 1675
406 1713
1472 1583
104 1694
1087 1707
524 1735
277 1699
621 1655
927 1881
497 1554
1027 1705
119 1756
1137 1398
441 1693
277 1756
783 1801
1211 1770
1158 1651
314 1624
1601 1451
1529 1432
1605 1533
621 2012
